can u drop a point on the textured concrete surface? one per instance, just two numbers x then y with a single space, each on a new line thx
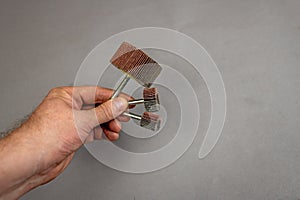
256 45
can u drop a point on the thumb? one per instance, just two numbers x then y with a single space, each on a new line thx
111 109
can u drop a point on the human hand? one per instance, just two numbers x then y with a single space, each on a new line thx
55 130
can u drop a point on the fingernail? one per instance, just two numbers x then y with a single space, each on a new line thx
120 103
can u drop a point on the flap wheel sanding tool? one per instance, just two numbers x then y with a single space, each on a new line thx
135 64
150 100
147 120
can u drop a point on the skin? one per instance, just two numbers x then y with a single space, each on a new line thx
44 145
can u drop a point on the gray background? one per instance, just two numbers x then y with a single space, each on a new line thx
256 45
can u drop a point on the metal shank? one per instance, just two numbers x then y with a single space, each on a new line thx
136 101
133 116
120 87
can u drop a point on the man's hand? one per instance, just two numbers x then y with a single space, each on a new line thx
44 145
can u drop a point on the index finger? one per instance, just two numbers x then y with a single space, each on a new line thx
90 95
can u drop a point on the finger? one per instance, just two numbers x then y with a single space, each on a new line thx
90 94
126 96
107 111
98 131
85 95
90 106
123 118
112 136
114 125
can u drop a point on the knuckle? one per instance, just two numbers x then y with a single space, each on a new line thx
56 91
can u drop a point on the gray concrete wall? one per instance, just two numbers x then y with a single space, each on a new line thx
256 45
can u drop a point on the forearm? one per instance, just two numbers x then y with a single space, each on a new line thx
21 159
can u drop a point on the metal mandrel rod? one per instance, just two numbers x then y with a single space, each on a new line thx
136 101
132 115
121 86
